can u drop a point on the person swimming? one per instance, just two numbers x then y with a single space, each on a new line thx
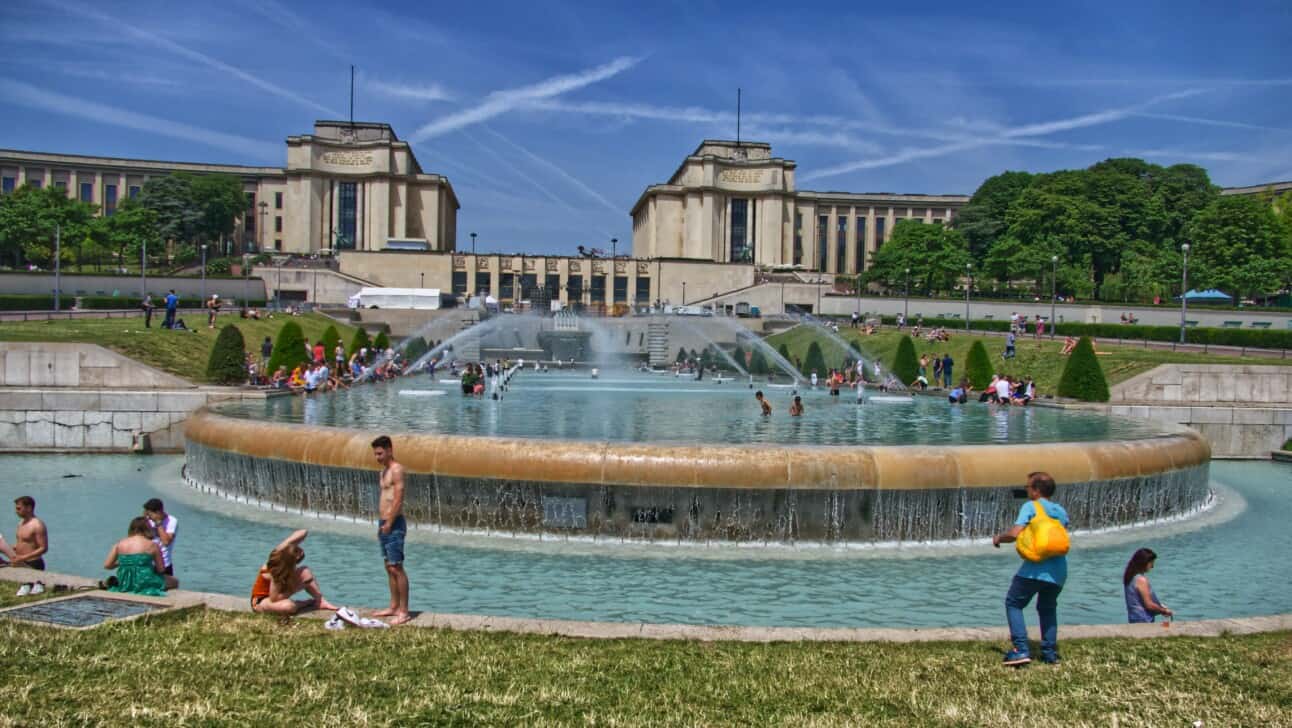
796 408
766 406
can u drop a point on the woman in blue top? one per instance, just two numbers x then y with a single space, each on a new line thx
1142 604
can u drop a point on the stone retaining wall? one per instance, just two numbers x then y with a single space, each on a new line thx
67 364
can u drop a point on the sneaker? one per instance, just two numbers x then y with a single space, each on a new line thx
369 623
24 590
334 623
38 588
1053 659
1016 658
347 615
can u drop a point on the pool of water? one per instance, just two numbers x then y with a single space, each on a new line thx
1226 562
635 407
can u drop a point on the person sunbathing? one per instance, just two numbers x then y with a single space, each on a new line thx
282 576
1069 344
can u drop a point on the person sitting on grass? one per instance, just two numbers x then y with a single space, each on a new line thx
138 562
1069 344
282 576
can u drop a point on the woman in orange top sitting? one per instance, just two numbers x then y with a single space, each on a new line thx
282 576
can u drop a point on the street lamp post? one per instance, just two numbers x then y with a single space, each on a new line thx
614 247
683 293
906 301
423 280
1184 290
819 281
204 273
143 269
473 243
278 289
245 280
58 264
1054 291
264 215
968 288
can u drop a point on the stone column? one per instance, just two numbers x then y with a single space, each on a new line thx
851 253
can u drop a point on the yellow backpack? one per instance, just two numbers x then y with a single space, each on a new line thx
1043 537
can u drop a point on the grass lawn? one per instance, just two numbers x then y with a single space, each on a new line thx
1040 360
178 352
211 668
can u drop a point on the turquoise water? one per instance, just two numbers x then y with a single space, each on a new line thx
1230 561
635 407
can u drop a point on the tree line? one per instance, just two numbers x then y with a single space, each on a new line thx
1112 231
171 216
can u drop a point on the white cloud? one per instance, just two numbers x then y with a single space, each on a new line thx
412 92
553 167
27 95
189 53
500 102
1210 122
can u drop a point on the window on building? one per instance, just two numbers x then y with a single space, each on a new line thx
87 192
740 250
278 223
109 199
574 291
798 238
506 286
621 289
918 214
278 200
879 232
597 291
528 286
278 245
7 185
643 290
459 283
347 218
249 219
483 284
861 243
822 240
60 185
841 245
553 286
134 191
33 183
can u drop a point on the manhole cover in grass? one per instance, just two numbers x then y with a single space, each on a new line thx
86 611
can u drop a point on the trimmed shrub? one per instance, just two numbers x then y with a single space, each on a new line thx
906 367
330 340
978 367
814 361
360 341
414 348
382 342
1083 377
739 356
219 266
289 348
758 363
227 364
785 352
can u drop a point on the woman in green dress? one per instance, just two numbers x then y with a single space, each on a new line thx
138 562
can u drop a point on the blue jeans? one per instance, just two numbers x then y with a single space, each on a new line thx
392 544
1021 591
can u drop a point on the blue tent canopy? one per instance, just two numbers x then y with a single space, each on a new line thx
1210 294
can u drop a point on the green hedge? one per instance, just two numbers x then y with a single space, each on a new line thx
1255 338
42 302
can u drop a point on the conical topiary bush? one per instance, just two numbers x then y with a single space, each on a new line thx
758 363
814 361
330 340
289 348
228 362
905 366
360 341
978 367
382 342
1083 377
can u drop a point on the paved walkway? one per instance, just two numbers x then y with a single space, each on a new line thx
181 599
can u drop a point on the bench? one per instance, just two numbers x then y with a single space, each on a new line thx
1232 325
1260 324
1191 324
988 317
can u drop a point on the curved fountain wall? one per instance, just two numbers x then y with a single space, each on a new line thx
764 493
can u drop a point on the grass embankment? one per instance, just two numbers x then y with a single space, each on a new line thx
182 353
218 668
1038 359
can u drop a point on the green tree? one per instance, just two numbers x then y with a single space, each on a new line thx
1083 377
220 202
29 217
738 355
906 365
414 348
382 342
227 364
935 255
784 351
330 341
1239 246
982 220
815 360
758 363
978 366
289 348
360 341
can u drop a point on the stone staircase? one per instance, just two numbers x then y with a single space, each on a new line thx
657 343
467 349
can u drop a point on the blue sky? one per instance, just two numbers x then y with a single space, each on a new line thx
550 118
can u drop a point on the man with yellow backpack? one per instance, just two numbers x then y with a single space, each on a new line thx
1040 534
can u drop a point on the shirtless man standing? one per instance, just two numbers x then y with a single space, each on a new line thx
391 529
31 543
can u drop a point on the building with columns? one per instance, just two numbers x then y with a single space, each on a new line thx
733 202
346 186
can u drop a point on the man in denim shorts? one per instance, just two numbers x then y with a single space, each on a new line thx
391 529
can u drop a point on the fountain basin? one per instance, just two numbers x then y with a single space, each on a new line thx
768 492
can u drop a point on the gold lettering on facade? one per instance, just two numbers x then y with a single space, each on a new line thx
741 176
347 159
